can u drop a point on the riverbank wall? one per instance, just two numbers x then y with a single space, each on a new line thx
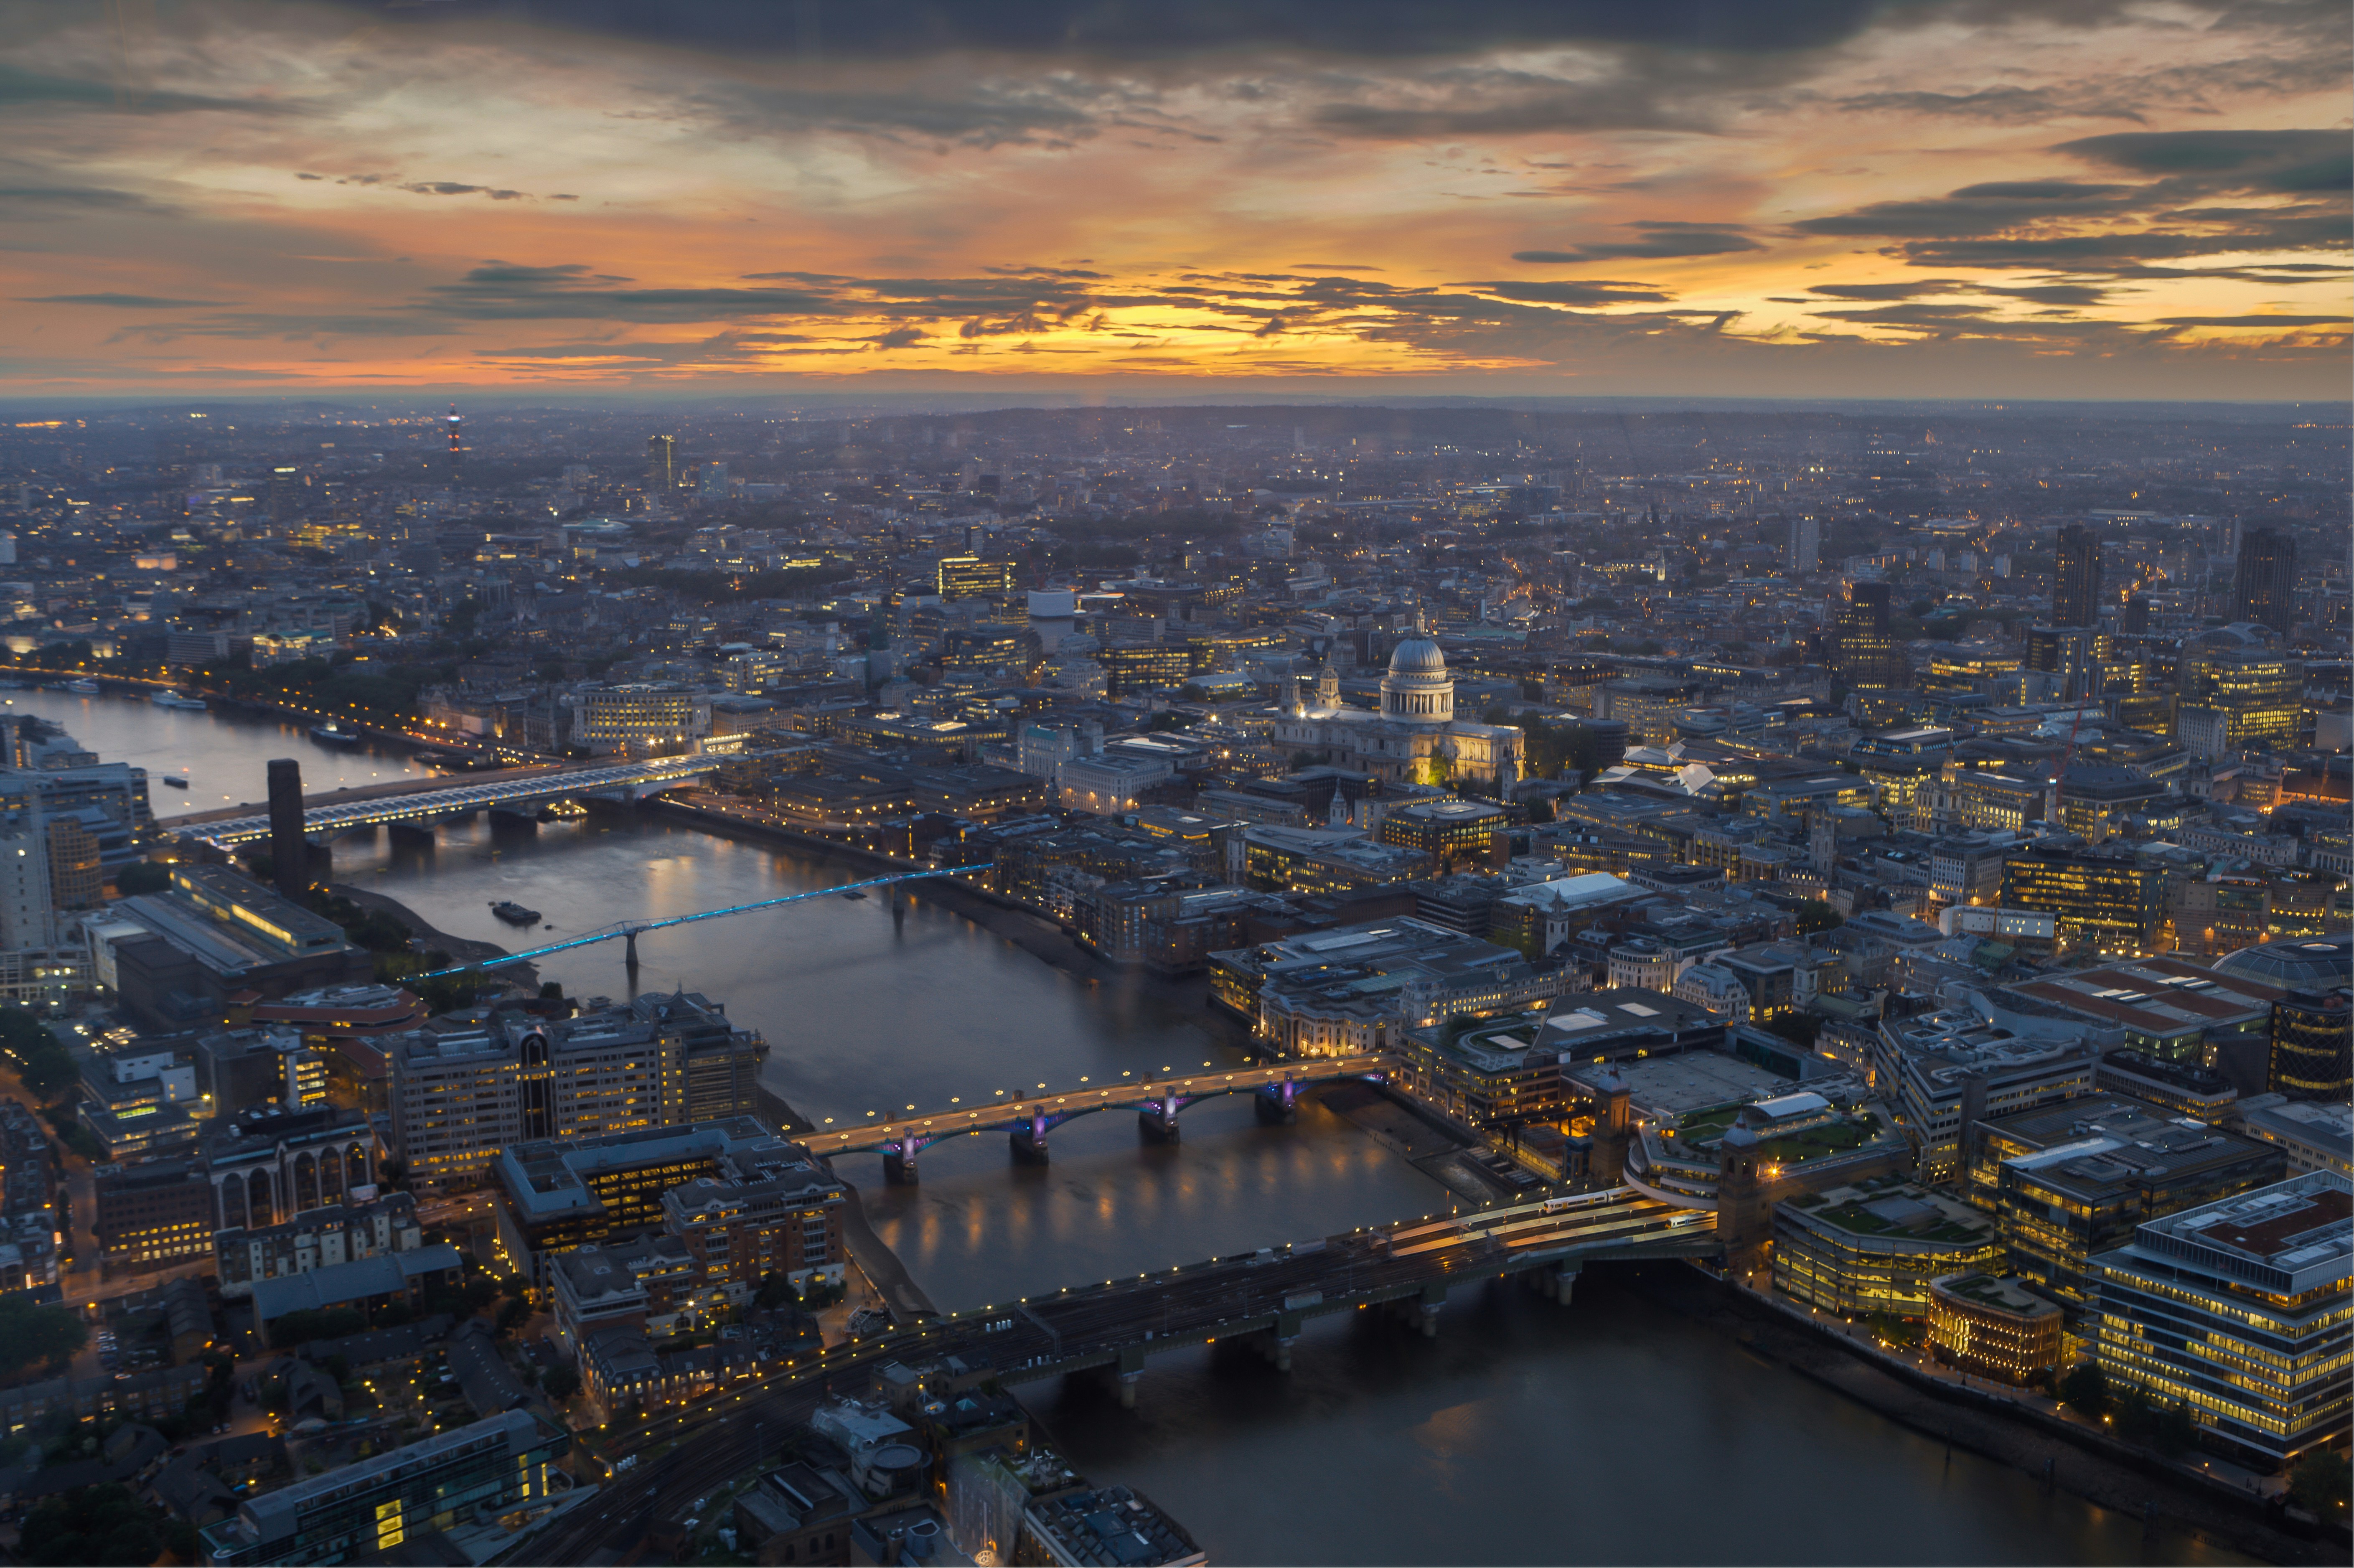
2075 1460
462 950
1000 916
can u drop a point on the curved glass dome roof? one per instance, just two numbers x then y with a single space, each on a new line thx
2310 963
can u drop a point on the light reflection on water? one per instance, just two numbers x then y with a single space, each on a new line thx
1605 1432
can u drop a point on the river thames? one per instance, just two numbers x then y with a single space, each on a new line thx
1605 1432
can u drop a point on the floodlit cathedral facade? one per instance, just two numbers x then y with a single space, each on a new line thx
1414 738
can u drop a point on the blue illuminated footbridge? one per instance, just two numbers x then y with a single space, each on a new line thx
630 930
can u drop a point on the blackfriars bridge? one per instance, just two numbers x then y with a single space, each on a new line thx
1157 1100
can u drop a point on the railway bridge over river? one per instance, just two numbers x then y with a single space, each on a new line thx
1113 1327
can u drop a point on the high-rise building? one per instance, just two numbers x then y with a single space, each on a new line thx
76 875
2076 578
2238 1309
2313 1045
969 577
285 493
290 851
2263 590
1805 546
2137 616
711 479
662 464
2236 689
1863 651
26 903
2110 903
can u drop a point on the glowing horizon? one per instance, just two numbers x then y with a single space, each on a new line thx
1833 200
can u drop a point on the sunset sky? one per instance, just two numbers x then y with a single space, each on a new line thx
1983 198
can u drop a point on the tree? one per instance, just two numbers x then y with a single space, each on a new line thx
40 1057
33 1335
560 1383
97 1525
2318 1482
2083 1390
1814 915
142 876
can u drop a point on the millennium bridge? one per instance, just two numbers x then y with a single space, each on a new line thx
1113 1327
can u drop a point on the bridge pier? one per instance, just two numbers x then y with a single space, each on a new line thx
1030 1142
1554 1282
1158 1121
410 835
1274 1347
1277 1103
898 1168
629 956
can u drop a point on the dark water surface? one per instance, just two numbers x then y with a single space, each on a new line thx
1607 1431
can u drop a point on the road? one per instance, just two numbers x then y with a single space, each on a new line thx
1058 1105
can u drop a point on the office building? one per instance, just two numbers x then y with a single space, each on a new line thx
1451 834
1356 988
554 1195
2107 903
2071 1180
2316 1135
1990 1326
493 1469
1872 1248
1863 651
969 577
2175 1011
640 719
2238 1308
2310 1048
2076 578
1804 546
661 465
286 486
460 1096
1943 1070
2263 589
2184 1088
153 1213
2236 688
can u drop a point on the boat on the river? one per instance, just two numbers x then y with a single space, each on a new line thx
84 687
332 733
175 783
175 700
515 914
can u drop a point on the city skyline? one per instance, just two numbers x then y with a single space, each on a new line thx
1806 201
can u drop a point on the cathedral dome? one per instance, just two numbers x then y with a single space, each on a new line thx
1418 691
1418 655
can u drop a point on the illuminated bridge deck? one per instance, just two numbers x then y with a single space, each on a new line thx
426 800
